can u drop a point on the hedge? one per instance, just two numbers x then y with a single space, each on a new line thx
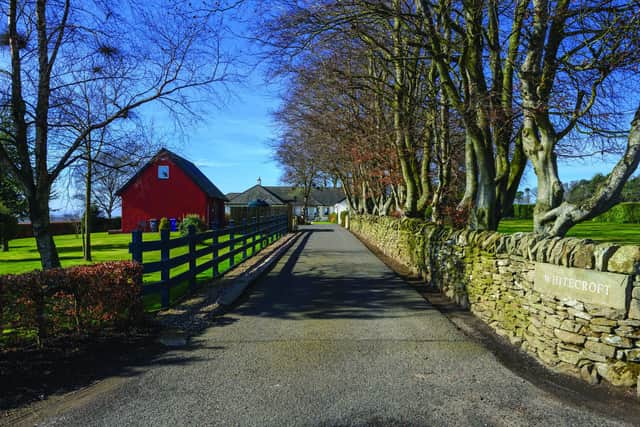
75 301
70 227
192 220
622 213
523 211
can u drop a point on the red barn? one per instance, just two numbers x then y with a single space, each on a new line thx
169 186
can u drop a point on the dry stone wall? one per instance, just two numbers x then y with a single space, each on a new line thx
571 303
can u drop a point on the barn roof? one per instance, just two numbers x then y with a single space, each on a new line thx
187 167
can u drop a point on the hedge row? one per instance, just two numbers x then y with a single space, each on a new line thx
70 227
74 301
622 213
523 211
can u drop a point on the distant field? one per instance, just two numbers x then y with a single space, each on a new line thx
597 231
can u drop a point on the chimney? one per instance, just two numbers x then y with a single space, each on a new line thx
259 181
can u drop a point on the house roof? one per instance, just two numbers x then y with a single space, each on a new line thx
281 195
254 193
187 167
328 196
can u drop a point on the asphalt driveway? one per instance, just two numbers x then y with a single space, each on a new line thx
330 336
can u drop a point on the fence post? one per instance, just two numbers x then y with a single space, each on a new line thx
216 270
192 256
244 240
135 248
254 227
232 257
165 272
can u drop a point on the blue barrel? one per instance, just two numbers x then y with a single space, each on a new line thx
174 224
153 225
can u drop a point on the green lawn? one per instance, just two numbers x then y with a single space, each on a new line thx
23 257
597 231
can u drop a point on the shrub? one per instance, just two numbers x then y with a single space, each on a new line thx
192 219
622 213
95 216
523 211
456 217
77 300
333 218
164 224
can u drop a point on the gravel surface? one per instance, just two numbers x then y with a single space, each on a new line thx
330 336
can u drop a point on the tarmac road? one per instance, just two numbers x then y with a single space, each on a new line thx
330 337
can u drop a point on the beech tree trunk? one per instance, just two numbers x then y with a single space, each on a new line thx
484 214
559 220
471 176
540 148
516 170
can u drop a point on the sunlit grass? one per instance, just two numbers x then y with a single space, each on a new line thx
23 257
596 231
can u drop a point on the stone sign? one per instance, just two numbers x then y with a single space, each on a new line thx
595 287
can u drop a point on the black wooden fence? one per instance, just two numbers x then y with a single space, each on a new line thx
254 234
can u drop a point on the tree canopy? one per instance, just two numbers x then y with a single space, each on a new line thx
416 99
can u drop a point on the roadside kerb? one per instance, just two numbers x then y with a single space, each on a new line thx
233 289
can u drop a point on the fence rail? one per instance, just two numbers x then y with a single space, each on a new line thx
235 239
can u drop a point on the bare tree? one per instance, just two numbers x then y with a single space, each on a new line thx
573 49
139 52
477 68
365 85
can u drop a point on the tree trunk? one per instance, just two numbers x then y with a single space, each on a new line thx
87 206
539 147
5 238
471 176
39 215
484 215
403 143
550 192
516 170
425 179
558 221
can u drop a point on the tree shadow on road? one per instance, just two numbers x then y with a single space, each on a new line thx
345 284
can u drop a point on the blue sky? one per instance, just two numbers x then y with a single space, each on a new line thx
232 146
